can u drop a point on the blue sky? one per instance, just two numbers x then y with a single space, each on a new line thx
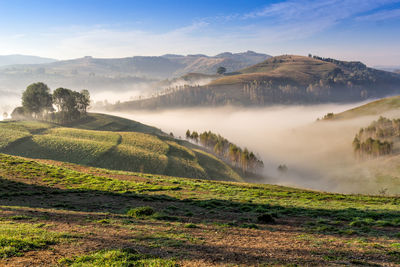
366 30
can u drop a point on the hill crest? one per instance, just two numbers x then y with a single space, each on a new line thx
114 143
286 79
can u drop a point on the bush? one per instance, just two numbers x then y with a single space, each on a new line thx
140 212
190 225
265 218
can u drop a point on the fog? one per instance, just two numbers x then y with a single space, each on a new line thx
318 154
99 93
195 82
8 101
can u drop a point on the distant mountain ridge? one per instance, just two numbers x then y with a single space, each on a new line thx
165 66
7 60
286 79
139 73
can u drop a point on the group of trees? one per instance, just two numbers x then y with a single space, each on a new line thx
242 158
372 147
62 106
327 116
377 139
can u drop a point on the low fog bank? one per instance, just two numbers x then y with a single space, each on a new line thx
318 154
8 101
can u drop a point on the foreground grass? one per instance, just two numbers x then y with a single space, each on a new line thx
149 219
117 258
17 238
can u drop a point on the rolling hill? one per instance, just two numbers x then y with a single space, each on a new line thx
7 60
286 79
113 143
374 108
138 74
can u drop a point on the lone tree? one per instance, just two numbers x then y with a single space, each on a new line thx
37 99
221 70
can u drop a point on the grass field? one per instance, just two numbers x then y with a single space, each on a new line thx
103 122
11 132
303 70
374 108
137 219
113 143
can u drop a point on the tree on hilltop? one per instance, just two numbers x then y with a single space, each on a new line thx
36 100
221 70
37 103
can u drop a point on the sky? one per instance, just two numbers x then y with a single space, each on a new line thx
362 30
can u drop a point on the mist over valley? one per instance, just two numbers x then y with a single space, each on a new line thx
318 155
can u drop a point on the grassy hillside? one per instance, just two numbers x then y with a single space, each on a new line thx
102 122
23 59
299 69
136 219
113 143
287 79
373 108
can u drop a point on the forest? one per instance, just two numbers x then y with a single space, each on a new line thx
244 159
377 139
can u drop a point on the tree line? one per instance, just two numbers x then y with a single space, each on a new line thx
244 159
376 139
372 147
62 106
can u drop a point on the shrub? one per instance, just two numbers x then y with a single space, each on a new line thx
265 218
190 225
140 212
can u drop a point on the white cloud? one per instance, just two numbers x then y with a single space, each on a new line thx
104 42
303 18
381 15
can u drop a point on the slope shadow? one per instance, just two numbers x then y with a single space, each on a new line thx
17 193
79 202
